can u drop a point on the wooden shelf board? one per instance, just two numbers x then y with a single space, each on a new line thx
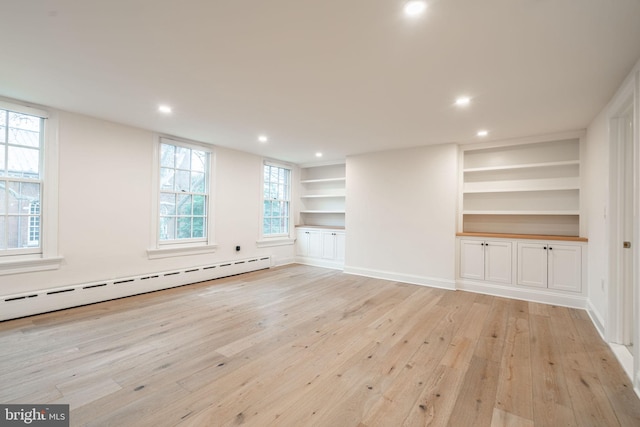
525 236
323 196
322 212
502 190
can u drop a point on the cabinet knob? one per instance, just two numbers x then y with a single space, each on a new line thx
550 248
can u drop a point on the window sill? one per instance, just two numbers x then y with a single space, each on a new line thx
29 265
174 251
278 241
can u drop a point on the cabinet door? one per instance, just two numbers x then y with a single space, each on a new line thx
315 244
341 241
472 259
565 267
302 243
329 245
497 262
532 264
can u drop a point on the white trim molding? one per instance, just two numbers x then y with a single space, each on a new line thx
413 279
29 265
175 251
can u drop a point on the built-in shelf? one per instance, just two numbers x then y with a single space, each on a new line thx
513 187
322 195
525 236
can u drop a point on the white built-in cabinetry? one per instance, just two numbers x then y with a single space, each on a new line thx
549 265
322 195
485 260
320 246
320 233
524 188
534 268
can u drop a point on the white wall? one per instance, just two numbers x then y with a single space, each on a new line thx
105 184
595 173
401 215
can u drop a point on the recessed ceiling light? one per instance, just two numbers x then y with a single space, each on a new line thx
414 7
263 138
164 109
318 154
463 101
482 133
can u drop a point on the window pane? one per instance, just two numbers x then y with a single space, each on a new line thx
24 162
27 138
198 227
199 206
167 228
184 228
24 121
183 158
2 160
197 182
184 204
166 179
18 232
3 197
198 160
167 204
3 243
22 195
3 135
167 155
182 180
266 226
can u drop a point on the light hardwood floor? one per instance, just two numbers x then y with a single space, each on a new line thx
304 346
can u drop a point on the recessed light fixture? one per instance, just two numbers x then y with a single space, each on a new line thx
482 133
263 138
318 154
164 109
414 7
463 101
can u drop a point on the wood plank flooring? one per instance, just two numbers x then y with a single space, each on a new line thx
304 346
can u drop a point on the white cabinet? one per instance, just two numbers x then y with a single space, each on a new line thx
321 247
486 260
550 265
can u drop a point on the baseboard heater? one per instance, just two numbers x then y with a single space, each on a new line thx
43 301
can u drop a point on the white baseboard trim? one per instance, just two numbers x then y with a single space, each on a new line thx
405 278
52 299
319 262
279 262
541 296
624 357
596 319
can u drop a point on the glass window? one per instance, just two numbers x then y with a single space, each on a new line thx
21 181
184 193
276 200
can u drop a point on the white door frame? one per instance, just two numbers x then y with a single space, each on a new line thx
629 99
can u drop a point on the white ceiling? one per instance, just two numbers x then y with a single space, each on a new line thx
337 76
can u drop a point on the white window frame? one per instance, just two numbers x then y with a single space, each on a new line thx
284 238
181 247
46 257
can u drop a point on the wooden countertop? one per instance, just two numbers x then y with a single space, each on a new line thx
525 236
326 227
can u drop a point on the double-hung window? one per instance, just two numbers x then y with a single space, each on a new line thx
184 193
276 192
21 181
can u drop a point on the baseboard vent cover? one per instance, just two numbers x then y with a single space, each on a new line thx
36 302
